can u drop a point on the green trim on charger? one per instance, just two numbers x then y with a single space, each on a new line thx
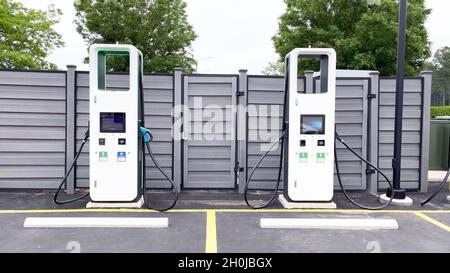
101 85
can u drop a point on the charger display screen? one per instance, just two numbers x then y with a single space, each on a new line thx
112 122
312 124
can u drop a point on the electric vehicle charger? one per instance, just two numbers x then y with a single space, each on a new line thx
328 59
438 190
145 137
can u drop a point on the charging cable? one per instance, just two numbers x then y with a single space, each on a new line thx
64 181
338 173
275 191
438 190
147 137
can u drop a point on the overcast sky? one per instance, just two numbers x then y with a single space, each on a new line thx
232 34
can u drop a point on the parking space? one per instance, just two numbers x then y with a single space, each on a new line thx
226 231
217 222
185 234
414 235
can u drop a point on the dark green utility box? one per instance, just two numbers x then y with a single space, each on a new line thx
439 143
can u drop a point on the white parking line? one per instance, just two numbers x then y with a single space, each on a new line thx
95 222
314 223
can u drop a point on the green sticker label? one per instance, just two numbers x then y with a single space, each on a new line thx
303 155
103 154
320 155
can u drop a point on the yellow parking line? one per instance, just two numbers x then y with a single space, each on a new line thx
433 221
222 210
71 211
334 210
211 232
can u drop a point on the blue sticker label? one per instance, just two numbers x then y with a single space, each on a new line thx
121 156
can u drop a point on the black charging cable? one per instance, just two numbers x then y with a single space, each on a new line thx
277 187
147 138
283 138
438 190
338 173
64 180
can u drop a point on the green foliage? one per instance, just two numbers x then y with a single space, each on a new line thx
440 66
438 111
26 36
158 28
274 69
364 36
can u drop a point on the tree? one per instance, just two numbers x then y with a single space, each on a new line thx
441 70
27 36
364 36
274 69
158 28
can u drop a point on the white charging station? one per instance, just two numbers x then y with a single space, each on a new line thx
116 159
310 130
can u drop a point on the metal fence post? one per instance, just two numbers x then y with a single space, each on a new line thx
372 139
70 125
242 129
177 148
309 85
425 145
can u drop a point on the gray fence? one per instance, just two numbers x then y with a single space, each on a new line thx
263 93
416 124
209 157
43 117
32 129
440 98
